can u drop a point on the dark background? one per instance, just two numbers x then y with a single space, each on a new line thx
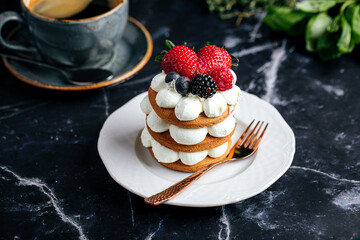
53 184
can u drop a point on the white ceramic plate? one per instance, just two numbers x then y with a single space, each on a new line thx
132 166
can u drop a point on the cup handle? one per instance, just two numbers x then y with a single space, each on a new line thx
6 17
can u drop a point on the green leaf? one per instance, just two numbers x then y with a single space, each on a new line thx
158 58
326 46
352 15
317 25
346 4
275 9
315 28
299 28
314 6
169 44
345 44
311 45
283 19
235 61
334 25
208 43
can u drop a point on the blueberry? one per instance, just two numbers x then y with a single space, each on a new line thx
182 85
171 76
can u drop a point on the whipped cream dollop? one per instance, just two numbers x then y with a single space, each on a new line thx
158 82
156 123
215 106
190 136
167 98
166 155
188 108
145 105
232 95
223 128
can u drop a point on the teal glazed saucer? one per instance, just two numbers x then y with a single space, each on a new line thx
130 55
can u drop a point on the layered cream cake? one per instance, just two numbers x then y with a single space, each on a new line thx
188 129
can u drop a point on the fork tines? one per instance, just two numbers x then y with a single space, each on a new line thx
252 140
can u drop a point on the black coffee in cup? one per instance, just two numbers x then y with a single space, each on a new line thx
72 9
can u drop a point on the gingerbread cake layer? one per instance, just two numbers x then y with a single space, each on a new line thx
168 115
208 143
179 166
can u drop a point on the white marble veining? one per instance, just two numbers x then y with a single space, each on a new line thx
224 233
231 41
152 234
44 189
162 31
348 200
332 176
261 218
301 63
106 102
11 106
254 34
19 108
331 89
261 215
253 50
340 136
270 70
131 210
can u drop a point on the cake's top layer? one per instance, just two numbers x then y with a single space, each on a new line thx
168 114
188 107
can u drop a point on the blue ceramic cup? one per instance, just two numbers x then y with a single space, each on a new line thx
78 43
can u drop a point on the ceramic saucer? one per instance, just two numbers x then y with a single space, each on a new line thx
131 54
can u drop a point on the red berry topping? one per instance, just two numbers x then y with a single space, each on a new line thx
180 59
212 57
223 78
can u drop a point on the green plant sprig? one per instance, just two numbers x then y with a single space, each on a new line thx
330 28
240 9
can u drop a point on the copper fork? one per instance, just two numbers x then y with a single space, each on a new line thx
245 147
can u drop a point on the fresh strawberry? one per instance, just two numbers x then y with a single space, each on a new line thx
212 57
223 78
180 59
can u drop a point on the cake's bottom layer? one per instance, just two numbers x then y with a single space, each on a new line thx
179 166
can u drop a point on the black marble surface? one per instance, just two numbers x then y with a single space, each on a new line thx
53 184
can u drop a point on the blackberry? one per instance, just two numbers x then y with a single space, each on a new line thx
203 85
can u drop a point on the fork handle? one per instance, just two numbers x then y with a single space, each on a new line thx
177 188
